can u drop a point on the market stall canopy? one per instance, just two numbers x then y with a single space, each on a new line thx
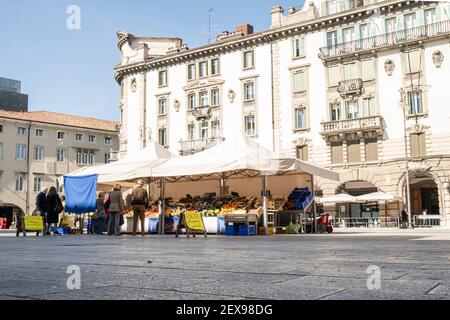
378 196
237 155
338 198
132 167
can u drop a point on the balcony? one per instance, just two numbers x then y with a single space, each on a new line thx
373 123
189 147
202 113
350 88
336 6
386 40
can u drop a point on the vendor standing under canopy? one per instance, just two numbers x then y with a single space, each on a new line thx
139 201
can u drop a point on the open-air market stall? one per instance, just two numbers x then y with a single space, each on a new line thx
238 158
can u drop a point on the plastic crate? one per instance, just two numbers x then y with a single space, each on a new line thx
232 230
247 231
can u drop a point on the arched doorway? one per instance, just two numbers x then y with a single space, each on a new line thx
425 195
9 211
358 210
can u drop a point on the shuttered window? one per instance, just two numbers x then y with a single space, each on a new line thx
371 149
302 153
299 82
368 70
418 146
333 76
350 71
413 61
370 109
353 151
337 155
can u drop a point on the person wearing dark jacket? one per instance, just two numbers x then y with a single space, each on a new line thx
101 215
54 208
41 207
115 208
139 200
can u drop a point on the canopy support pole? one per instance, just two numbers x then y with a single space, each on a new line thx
222 186
162 207
314 205
265 204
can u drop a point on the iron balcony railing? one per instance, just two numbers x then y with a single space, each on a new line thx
194 146
386 40
202 112
350 87
352 125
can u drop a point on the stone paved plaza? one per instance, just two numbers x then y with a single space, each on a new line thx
414 265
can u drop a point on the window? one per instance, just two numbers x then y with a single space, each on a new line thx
204 128
348 34
249 91
162 137
302 153
60 155
299 84
337 154
203 69
364 31
333 76
368 69
215 67
61 135
390 25
430 16
21 131
350 71
352 109
415 102
332 38
37 184
39 133
162 78
333 6
371 149
85 157
79 137
162 107
191 72
335 111
1 128
370 109
38 153
250 125
20 182
20 152
215 129
203 98
410 20
413 61
191 102
107 158
92 139
1 151
108 140
191 132
249 59
418 146
353 151
300 118
215 97
298 47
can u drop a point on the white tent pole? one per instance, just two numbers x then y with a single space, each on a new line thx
162 207
265 204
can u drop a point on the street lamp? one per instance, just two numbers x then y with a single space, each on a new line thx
404 105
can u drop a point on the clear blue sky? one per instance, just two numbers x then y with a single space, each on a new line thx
72 71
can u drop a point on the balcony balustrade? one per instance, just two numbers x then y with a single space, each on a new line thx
386 40
189 147
351 87
202 112
373 123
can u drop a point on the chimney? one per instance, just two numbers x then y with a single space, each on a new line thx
277 16
245 29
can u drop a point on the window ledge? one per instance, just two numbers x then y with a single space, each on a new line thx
301 130
248 68
419 115
299 57
162 115
249 101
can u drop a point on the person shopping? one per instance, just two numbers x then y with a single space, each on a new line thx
115 209
139 201
54 208
100 221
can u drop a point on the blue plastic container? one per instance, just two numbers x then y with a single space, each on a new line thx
247 231
232 230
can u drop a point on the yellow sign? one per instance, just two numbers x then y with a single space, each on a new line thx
194 221
33 223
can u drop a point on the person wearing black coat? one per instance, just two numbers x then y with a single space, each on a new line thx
41 207
54 208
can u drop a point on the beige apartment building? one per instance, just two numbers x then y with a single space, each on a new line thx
36 148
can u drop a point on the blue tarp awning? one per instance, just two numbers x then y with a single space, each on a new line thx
80 194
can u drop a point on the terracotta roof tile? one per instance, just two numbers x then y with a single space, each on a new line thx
61 119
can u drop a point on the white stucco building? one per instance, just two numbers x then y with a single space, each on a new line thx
324 82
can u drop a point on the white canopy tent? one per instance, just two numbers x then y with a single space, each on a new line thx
338 198
132 167
378 196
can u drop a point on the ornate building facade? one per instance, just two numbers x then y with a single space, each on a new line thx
332 82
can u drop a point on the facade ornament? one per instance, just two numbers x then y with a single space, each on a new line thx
133 85
124 37
177 105
438 58
389 66
231 95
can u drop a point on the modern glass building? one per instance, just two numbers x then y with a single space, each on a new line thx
11 97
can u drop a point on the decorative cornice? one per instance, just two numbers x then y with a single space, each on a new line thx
124 37
256 39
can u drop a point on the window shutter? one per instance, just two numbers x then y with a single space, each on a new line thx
333 76
422 145
413 61
337 155
371 149
354 151
299 82
414 144
368 72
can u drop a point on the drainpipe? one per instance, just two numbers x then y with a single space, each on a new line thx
27 205
145 110
273 96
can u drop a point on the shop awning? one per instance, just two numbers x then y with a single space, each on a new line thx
132 167
338 198
237 156
378 196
